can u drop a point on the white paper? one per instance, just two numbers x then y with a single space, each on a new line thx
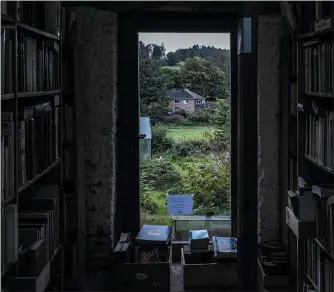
179 204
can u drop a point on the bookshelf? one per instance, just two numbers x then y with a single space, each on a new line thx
33 201
310 212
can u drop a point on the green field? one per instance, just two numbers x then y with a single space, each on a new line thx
187 132
176 67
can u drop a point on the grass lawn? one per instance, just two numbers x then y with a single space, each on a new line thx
180 132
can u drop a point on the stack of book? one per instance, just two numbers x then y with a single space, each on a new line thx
38 64
224 247
122 251
38 138
9 236
42 15
302 202
6 61
273 259
153 243
39 229
198 241
7 155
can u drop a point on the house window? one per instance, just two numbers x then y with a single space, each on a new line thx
176 108
198 101
176 101
185 101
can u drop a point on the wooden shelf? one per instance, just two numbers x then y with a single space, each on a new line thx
7 96
6 18
37 32
38 177
318 94
37 93
7 269
311 35
7 201
309 158
314 286
324 250
299 228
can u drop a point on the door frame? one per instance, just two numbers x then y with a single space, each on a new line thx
130 24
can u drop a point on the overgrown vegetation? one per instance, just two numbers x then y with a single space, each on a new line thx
190 150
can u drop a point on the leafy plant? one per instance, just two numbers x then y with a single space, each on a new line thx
161 142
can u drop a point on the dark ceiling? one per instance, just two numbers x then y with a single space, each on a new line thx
178 6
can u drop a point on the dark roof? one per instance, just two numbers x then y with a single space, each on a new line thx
183 94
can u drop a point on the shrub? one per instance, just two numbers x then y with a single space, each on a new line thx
160 140
174 119
209 183
186 148
159 173
200 116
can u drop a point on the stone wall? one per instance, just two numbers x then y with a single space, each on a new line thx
269 31
95 52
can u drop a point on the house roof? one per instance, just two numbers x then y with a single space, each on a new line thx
183 94
145 127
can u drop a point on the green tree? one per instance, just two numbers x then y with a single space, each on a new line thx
202 77
172 59
172 78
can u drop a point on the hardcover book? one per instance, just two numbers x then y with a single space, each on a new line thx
224 247
154 234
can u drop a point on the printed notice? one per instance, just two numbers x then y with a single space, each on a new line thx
179 204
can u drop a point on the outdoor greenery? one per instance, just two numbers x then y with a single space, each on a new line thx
190 151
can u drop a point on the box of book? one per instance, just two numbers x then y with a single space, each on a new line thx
273 266
213 275
150 264
224 248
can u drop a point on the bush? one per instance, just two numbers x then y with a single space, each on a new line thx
209 183
200 116
186 148
160 140
159 173
174 119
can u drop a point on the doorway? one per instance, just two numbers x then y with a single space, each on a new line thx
129 104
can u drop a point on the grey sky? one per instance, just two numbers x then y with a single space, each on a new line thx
174 41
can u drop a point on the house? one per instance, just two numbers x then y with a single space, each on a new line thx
185 99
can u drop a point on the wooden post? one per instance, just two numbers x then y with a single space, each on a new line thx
247 149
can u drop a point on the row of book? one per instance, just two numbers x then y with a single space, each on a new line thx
319 268
31 12
38 138
6 61
7 156
319 140
32 232
38 64
318 64
38 142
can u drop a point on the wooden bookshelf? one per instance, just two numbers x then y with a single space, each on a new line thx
313 65
31 145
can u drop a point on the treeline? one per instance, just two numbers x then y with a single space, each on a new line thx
216 56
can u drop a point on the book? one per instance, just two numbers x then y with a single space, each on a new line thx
154 234
224 247
198 240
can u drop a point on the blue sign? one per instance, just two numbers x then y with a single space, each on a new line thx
179 204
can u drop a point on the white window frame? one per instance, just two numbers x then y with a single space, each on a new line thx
198 101
176 101
185 101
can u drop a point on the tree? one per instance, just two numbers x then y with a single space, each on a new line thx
172 59
202 77
172 78
158 52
